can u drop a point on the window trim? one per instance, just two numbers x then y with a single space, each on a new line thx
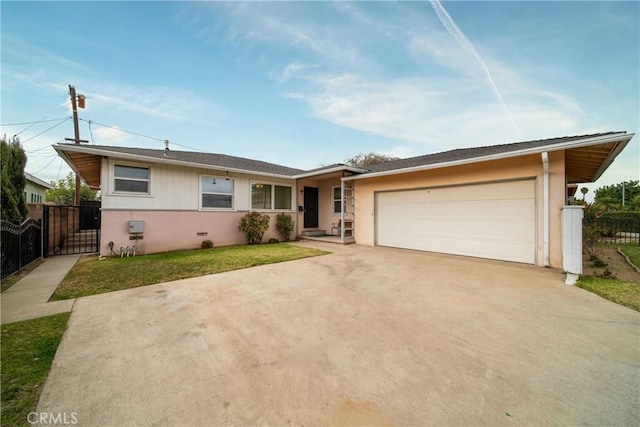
112 181
273 196
200 193
334 200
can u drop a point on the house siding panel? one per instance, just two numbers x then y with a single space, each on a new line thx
177 188
171 212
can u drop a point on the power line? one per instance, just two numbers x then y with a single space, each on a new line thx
47 130
186 146
28 123
46 147
47 165
123 130
93 140
137 134
59 170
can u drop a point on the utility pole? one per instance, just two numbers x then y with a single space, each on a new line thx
76 130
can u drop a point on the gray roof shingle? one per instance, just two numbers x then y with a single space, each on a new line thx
223 161
206 159
475 152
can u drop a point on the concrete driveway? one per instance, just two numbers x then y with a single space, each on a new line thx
365 336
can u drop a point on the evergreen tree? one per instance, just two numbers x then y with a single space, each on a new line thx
12 163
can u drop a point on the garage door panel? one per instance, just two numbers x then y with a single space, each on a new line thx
494 220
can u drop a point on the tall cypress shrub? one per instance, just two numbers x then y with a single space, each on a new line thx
13 160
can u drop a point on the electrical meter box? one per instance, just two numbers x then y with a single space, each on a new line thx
136 226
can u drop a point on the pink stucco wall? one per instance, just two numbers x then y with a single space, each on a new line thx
326 217
507 169
172 230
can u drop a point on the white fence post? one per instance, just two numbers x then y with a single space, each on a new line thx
572 242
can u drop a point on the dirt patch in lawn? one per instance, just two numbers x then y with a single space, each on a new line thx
616 264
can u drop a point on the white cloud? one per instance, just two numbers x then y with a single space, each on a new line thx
18 48
173 104
292 95
283 24
105 135
289 71
419 110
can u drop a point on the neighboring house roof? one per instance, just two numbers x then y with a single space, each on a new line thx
587 157
37 181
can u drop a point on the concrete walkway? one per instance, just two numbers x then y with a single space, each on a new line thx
28 298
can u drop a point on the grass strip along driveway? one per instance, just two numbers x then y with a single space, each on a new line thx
28 349
92 275
623 293
633 252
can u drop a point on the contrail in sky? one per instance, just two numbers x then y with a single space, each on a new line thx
464 42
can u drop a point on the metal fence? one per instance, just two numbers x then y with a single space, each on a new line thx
21 244
621 231
71 229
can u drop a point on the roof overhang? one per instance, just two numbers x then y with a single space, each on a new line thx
86 162
337 171
586 159
85 165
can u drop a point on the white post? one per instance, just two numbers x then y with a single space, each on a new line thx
572 242
545 208
342 209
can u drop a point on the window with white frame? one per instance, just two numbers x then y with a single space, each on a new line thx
266 196
336 193
131 179
216 193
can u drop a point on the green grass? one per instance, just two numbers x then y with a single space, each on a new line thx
618 291
27 351
633 252
94 276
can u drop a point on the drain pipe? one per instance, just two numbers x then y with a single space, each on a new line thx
545 207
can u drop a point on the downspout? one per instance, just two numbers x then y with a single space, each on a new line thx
545 207
342 209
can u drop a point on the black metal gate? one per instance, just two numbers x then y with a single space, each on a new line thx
619 231
21 244
71 229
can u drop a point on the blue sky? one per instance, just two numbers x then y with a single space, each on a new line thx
310 83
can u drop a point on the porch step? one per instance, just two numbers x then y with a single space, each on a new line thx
314 233
329 239
86 237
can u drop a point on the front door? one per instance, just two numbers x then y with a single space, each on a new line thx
310 207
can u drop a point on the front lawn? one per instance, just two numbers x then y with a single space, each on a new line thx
93 276
27 351
618 291
633 252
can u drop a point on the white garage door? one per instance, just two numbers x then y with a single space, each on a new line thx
496 220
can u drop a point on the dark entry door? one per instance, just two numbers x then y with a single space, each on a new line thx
310 207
